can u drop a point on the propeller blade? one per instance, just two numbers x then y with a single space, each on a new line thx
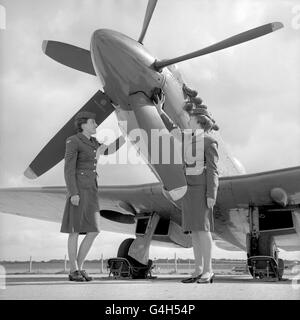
54 151
163 160
69 55
148 16
229 42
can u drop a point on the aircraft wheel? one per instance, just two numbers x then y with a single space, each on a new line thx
280 268
267 246
141 269
124 247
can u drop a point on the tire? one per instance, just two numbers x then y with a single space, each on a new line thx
280 268
140 270
266 246
124 247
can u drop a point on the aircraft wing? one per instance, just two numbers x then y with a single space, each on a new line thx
118 204
255 189
237 193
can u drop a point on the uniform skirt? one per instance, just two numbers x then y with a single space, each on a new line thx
196 216
85 217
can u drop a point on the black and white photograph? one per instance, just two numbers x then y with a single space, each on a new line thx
150 152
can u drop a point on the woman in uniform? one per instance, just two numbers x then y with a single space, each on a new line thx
202 182
81 214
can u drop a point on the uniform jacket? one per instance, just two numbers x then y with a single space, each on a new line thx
80 163
207 158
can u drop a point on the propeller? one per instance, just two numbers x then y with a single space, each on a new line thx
54 151
149 12
69 55
229 42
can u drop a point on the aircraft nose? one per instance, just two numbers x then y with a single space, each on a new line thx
98 48
101 39
122 63
110 55
108 48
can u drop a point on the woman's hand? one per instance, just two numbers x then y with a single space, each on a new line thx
210 202
75 200
160 103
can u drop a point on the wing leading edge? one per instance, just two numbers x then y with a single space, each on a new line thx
256 188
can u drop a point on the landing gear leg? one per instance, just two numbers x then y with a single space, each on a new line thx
139 249
253 236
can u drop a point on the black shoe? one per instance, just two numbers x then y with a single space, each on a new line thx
85 275
209 279
192 279
76 276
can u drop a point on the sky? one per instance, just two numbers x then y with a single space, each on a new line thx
251 89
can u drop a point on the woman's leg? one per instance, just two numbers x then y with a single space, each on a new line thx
72 251
206 249
85 248
198 254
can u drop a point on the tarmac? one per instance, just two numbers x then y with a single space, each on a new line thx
164 287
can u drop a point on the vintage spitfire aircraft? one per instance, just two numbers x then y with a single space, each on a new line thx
257 213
